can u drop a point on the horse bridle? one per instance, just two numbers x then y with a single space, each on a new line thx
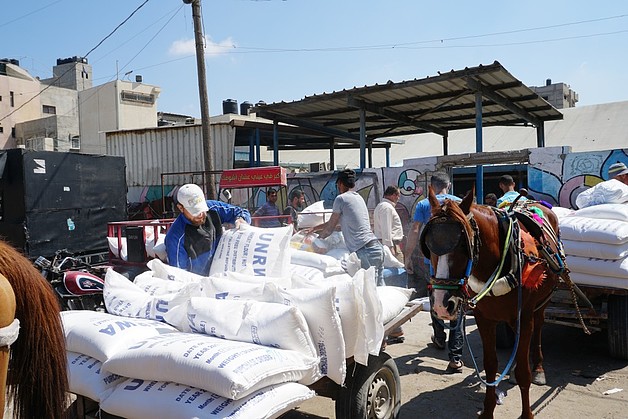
472 246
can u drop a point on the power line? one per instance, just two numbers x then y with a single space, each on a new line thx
437 40
69 69
30 13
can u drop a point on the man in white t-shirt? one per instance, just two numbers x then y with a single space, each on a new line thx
386 222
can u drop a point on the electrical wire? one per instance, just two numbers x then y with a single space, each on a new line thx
71 69
30 13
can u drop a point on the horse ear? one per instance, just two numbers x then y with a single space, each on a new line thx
466 203
431 196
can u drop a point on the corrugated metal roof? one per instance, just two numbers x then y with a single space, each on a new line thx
436 104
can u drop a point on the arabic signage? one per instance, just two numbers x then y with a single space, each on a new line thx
251 177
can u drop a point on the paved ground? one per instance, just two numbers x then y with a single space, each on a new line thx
578 373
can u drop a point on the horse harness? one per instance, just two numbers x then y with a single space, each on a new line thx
510 221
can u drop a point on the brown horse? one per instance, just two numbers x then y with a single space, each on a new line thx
7 317
466 243
37 367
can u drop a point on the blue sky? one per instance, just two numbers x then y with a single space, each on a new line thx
284 50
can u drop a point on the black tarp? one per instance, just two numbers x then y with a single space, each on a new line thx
53 200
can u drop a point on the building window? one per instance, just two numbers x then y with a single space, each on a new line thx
1 130
13 132
129 96
49 109
12 99
75 142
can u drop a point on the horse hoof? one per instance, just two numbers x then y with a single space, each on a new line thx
538 378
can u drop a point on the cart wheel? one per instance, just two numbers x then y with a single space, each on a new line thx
618 326
372 392
504 336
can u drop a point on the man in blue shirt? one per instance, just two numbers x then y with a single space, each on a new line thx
507 185
440 183
269 209
192 238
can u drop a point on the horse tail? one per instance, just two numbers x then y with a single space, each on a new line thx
37 378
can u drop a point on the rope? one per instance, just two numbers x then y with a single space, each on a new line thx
517 334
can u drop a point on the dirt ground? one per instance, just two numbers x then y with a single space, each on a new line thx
577 366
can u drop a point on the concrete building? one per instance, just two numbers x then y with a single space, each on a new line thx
18 100
559 95
117 105
71 73
65 112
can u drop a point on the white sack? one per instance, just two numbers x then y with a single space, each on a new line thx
393 300
602 267
87 378
314 215
319 310
228 288
326 264
267 324
617 212
280 281
562 212
307 272
166 400
339 253
156 286
609 192
253 250
348 304
390 261
352 263
100 335
229 369
164 271
599 281
113 247
124 298
593 230
595 250
374 325
360 312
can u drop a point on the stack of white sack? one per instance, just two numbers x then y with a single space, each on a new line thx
155 245
595 239
146 368
333 247
332 319
259 331
313 215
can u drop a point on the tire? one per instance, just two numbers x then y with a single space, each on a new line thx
618 326
504 336
372 392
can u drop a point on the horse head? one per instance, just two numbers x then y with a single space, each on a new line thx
451 243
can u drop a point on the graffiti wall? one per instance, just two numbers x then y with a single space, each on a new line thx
557 175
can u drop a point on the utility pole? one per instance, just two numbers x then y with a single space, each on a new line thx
202 91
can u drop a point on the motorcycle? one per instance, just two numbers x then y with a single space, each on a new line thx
78 284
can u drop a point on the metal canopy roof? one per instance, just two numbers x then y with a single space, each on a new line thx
433 104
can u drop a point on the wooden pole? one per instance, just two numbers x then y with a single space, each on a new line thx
210 183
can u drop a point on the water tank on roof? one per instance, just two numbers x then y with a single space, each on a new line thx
245 107
230 106
138 78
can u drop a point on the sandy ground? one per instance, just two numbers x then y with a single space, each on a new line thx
577 366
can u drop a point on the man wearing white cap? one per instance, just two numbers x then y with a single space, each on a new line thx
192 239
618 171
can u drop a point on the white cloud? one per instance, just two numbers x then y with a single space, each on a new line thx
212 49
